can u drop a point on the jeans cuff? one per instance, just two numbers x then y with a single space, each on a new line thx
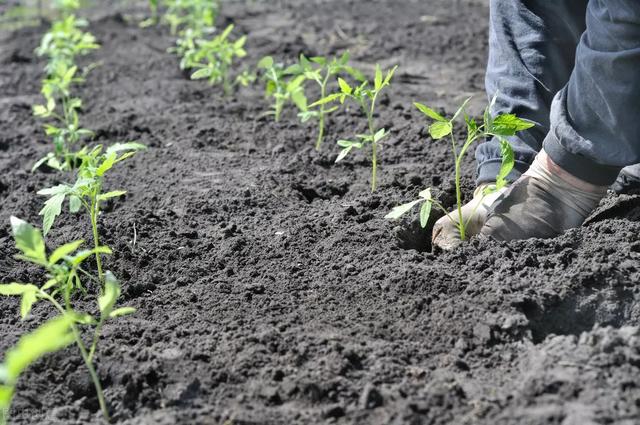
579 166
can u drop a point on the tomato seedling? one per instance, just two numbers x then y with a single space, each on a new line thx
283 85
500 127
214 58
366 98
322 71
64 41
87 192
61 110
198 15
64 273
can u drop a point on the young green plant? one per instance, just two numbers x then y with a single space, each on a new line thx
213 59
322 71
61 113
64 41
283 85
366 98
64 274
87 192
499 127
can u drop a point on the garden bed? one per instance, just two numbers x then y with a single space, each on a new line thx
269 289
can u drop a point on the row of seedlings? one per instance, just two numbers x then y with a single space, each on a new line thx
288 84
69 278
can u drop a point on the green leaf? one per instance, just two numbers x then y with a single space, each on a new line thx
202 73
380 134
75 203
84 254
425 211
429 112
345 143
55 190
52 209
389 76
299 99
401 210
28 240
107 163
344 86
40 111
63 251
331 98
108 299
266 62
53 335
112 194
49 284
14 288
28 299
440 129
122 311
425 194
343 153
508 162
128 146
509 125
461 109
378 78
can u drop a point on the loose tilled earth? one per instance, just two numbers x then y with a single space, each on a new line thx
269 288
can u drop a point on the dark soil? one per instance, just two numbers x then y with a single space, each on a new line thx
269 288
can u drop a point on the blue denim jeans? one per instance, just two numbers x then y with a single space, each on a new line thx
573 68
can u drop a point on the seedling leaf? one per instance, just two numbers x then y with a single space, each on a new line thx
344 86
509 125
64 250
378 78
28 240
429 112
440 129
112 194
122 311
401 210
508 161
425 211
52 209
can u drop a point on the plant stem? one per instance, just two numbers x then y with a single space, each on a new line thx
374 144
95 206
85 357
323 93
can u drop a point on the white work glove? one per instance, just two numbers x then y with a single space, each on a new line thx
543 203
446 234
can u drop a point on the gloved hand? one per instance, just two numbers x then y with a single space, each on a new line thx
445 232
543 203
628 180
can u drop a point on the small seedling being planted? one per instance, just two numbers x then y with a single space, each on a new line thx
366 97
499 127
64 274
322 71
87 192
283 85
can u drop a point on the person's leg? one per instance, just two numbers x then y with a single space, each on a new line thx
595 119
531 55
595 127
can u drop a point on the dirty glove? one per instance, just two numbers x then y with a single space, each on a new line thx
445 232
628 180
543 203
